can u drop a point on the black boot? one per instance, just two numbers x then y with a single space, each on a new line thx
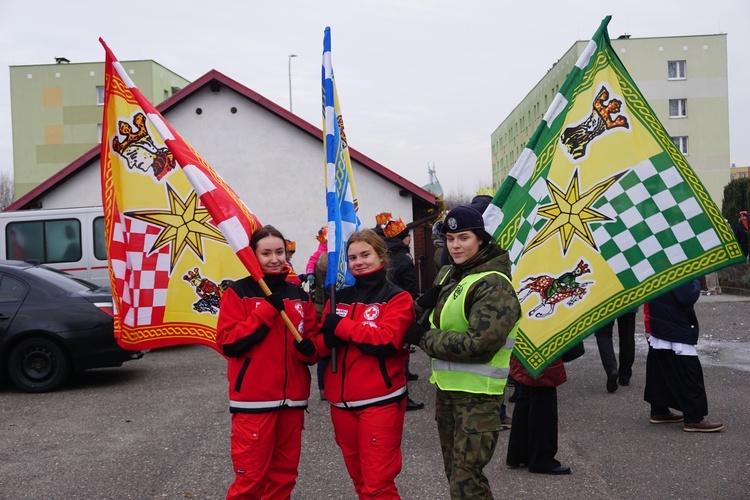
412 405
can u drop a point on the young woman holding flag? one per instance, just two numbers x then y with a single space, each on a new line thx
269 379
367 393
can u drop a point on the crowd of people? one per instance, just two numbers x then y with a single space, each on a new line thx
272 331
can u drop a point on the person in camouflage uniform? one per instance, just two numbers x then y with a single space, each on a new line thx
468 420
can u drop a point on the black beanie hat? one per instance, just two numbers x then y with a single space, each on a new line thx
462 219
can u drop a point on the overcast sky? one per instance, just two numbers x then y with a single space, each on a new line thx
419 81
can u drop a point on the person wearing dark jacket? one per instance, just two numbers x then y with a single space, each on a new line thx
269 379
401 269
402 273
367 393
742 233
674 376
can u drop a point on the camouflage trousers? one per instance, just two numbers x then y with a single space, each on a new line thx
468 427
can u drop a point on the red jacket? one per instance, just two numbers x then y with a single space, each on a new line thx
265 371
371 366
552 376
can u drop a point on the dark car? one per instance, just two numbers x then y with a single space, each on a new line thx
52 323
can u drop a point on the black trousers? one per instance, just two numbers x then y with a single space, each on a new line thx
626 333
533 436
674 381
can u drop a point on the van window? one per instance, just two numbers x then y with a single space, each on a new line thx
100 248
46 241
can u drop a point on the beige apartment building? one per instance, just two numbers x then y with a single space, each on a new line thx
56 112
683 78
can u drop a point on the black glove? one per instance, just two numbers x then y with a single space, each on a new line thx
328 328
276 300
330 323
305 347
429 299
415 333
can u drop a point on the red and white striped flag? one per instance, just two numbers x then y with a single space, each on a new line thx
172 225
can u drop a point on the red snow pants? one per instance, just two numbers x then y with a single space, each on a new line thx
370 441
265 453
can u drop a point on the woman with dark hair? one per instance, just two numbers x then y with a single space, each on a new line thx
470 337
269 379
367 393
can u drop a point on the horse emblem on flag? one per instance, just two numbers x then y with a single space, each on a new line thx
139 149
602 119
554 290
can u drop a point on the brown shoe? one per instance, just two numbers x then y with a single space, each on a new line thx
668 418
322 395
703 426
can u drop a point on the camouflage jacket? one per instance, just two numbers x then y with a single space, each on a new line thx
492 310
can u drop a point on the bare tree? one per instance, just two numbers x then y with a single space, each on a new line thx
6 190
457 196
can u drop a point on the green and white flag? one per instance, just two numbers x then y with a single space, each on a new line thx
601 212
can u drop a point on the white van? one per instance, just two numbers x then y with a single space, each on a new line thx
68 239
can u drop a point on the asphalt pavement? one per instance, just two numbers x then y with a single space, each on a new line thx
159 428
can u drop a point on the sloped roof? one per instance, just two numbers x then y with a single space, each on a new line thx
30 199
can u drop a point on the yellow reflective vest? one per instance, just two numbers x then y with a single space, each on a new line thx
477 378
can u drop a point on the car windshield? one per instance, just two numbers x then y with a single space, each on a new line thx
61 279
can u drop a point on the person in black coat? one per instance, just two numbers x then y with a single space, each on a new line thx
401 271
741 232
674 376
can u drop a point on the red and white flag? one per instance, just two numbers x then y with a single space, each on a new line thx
176 233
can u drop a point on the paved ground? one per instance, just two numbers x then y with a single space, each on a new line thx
159 428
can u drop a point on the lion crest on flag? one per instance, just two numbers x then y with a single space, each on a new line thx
602 119
139 149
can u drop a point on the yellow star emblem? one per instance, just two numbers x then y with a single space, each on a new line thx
570 213
184 224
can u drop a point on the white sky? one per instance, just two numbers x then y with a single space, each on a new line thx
419 81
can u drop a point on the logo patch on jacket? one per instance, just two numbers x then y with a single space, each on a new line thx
372 313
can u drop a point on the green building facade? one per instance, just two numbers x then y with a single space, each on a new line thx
57 109
684 79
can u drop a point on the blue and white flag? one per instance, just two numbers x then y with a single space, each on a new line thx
341 198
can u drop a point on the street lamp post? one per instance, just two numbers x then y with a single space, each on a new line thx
290 80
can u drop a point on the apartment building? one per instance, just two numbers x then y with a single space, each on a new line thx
56 112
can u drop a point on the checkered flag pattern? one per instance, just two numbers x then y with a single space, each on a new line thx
656 222
141 276
532 223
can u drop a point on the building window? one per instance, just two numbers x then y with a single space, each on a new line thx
682 143
676 70
100 94
742 176
99 133
677 108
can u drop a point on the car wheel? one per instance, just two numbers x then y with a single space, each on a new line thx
38 365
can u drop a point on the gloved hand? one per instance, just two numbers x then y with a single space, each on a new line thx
305 347
415 333
276 300
310 279
328 328
429 299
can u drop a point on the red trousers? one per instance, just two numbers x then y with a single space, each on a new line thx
370 441
265 453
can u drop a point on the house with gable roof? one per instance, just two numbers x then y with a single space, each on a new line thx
270 157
